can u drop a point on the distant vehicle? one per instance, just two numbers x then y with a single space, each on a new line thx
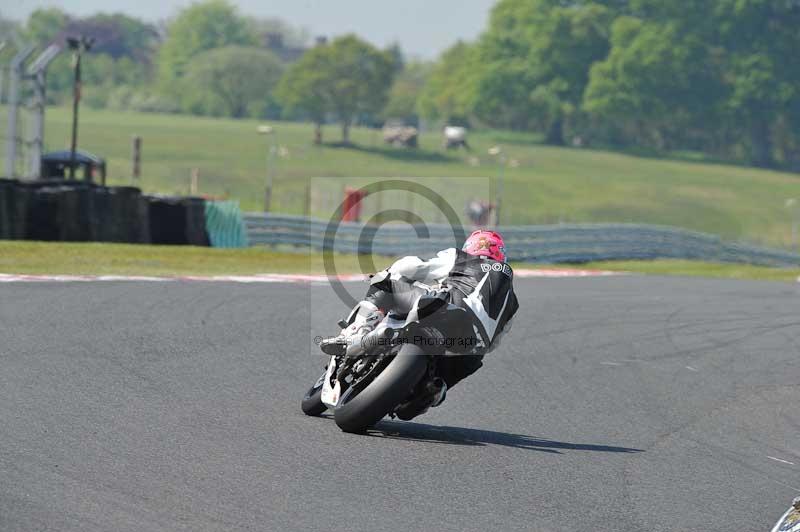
455 137
400 135
56 165
790 522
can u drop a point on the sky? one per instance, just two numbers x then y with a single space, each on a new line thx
424 28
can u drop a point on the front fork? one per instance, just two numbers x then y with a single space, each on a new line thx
331 388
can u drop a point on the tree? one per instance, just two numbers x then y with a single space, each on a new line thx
45 25
447 94
761 42
266 29
201 26
347 78
405 92
303 88
8 26
121 53
657 82
117 35
710 74
535 61
232 81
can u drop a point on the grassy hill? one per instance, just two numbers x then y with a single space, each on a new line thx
548 184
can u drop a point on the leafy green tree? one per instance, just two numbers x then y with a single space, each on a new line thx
121 54
405 92
201 26
535 61
117 35
231 81
291 36
348 78
656 82
708 74
8 26
303 89
447 94
358 80
761 41
45 25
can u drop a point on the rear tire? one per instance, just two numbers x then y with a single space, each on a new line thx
389 389
312 404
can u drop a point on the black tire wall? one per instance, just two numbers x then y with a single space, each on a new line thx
57 210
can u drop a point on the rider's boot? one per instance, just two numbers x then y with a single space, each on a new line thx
364 317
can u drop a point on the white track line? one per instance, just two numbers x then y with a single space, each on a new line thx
258 278
779 460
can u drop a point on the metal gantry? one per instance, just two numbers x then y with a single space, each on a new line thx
37 73
17 76
15 73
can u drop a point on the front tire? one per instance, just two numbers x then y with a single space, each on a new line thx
389 389
312 404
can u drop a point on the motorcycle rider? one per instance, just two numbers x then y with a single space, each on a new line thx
475 279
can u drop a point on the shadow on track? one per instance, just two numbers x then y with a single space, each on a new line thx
464 436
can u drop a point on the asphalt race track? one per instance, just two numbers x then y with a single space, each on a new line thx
616 404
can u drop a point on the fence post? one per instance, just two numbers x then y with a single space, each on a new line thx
136 159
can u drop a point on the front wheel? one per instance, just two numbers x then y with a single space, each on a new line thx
358 411
312 404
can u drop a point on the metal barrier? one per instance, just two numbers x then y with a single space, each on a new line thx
573 243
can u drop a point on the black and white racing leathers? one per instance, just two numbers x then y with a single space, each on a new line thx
482 287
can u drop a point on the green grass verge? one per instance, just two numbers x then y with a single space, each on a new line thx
126 259
700 269
547 184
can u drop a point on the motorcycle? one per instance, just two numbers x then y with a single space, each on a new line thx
790 521
392 366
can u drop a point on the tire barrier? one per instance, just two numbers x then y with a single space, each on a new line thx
7 189
196 234
566 243
42 215
58 210
177 221
224 224
128 213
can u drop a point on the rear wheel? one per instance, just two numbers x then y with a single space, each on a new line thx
359 410
312 404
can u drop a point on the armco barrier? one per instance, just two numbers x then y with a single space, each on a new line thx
536 243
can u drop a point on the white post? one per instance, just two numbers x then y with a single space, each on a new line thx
272 150
794 218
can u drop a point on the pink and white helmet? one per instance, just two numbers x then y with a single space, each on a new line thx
485 244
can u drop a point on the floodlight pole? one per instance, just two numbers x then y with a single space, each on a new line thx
500 186
76 97
497 151
78 46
